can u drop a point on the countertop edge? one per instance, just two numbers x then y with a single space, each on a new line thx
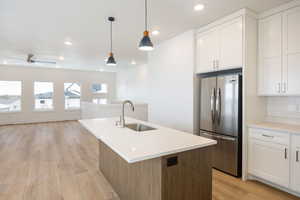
293 129
170 152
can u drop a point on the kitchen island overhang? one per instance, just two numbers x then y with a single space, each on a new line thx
161 164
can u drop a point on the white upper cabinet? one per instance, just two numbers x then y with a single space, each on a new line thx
270 55
279 54
221 47
207 45
291 51
231 45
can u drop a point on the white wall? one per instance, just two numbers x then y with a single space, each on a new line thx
132 83
166 83
58 76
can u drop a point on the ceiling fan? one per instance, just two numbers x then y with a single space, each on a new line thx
31 59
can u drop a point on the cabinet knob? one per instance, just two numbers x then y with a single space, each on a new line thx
297 156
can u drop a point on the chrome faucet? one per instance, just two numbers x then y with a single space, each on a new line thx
121 123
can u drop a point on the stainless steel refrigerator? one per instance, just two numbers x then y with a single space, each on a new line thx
221 119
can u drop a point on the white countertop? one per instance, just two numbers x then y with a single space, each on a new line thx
138 146
289 128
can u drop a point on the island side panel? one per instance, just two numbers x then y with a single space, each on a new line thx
136 181
190 178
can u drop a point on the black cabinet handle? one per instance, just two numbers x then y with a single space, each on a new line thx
285 153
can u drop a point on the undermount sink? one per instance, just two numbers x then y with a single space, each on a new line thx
139 127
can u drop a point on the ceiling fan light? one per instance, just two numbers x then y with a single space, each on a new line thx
145 43
111 60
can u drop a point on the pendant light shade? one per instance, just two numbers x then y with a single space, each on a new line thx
111 60
145 43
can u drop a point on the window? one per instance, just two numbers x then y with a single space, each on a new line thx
99 88
72 95
100 101
10 96
43 93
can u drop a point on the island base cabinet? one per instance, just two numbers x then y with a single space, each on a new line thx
181 176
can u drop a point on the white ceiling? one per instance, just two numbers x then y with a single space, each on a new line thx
42 26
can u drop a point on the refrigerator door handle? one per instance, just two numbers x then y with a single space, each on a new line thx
212 104
218 106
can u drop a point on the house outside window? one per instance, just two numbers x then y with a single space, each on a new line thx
10 96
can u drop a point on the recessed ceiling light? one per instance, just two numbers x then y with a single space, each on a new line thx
133 62
155 32
69 43
198 7
4 62
61 58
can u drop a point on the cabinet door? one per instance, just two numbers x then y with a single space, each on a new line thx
231 44
291 52
269 161
270 55
295 164
207 48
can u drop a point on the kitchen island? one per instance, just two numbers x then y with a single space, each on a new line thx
157 164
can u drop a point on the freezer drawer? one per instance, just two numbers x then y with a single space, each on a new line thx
225 153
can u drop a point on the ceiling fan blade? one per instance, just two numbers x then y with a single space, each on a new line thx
45 62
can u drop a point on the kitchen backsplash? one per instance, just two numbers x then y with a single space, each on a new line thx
283 109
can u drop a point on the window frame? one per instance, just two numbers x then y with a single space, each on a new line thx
21 98
64 96
99 93
43 109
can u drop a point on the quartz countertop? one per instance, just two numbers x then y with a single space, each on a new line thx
289 128
135 146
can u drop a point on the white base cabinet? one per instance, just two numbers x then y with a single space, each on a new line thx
274 157
295 164
267 160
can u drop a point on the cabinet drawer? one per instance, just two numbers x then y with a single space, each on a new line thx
270 136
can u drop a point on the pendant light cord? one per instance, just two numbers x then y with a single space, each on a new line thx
146 15
111 42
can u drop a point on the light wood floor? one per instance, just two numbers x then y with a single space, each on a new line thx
58 161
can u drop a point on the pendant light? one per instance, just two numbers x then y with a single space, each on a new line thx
146 44
111 60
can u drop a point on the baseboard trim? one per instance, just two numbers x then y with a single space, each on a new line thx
252 177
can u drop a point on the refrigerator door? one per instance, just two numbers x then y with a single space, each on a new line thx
227 105
225 153
208 101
